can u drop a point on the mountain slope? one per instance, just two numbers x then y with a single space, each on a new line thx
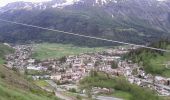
137 21
14 87
4 49
154 62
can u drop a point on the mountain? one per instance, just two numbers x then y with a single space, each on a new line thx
135 21
41 6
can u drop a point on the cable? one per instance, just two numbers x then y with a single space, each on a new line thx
85 36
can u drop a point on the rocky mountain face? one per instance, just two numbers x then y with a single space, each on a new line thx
137 21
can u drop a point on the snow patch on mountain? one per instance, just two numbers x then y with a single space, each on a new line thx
66 3
103 2
161 0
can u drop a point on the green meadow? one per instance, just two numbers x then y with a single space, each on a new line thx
54 50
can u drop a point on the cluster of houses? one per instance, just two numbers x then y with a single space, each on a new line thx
136 75
20 58
72 69
77 67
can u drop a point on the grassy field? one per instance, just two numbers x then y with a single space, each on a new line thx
123 95
53 50
34 72
158 64
41 83
2 61
119 94
166 98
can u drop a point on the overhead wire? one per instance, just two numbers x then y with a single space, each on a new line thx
85 36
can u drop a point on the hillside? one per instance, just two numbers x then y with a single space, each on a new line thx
4 49
152 61
136 21
14 86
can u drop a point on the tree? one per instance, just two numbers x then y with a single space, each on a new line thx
26 72
93 73
2 76
70 65
114 65
15 69
89 92
73 90
97 63
50 68
79 97
62 59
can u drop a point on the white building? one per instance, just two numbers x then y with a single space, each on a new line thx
55 77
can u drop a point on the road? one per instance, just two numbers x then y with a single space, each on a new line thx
59 93
54 85
107 98
62 96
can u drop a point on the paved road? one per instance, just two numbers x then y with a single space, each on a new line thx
107 98
59 94
62 96
53 84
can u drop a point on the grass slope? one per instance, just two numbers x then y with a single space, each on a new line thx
3 51
152 61
15 87
46 50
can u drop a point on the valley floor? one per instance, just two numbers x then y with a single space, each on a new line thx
65 73
53 50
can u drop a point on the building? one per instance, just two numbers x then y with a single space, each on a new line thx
55 77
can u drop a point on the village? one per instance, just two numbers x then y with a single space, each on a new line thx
69 70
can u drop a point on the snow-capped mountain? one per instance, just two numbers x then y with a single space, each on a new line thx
64 3
129 20
22 6
61 4
41 5
52 4
143 9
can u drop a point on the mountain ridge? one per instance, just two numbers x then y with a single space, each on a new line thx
135 21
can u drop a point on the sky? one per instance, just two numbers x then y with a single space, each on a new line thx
4 2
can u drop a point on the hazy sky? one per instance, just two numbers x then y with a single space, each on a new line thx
4 2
